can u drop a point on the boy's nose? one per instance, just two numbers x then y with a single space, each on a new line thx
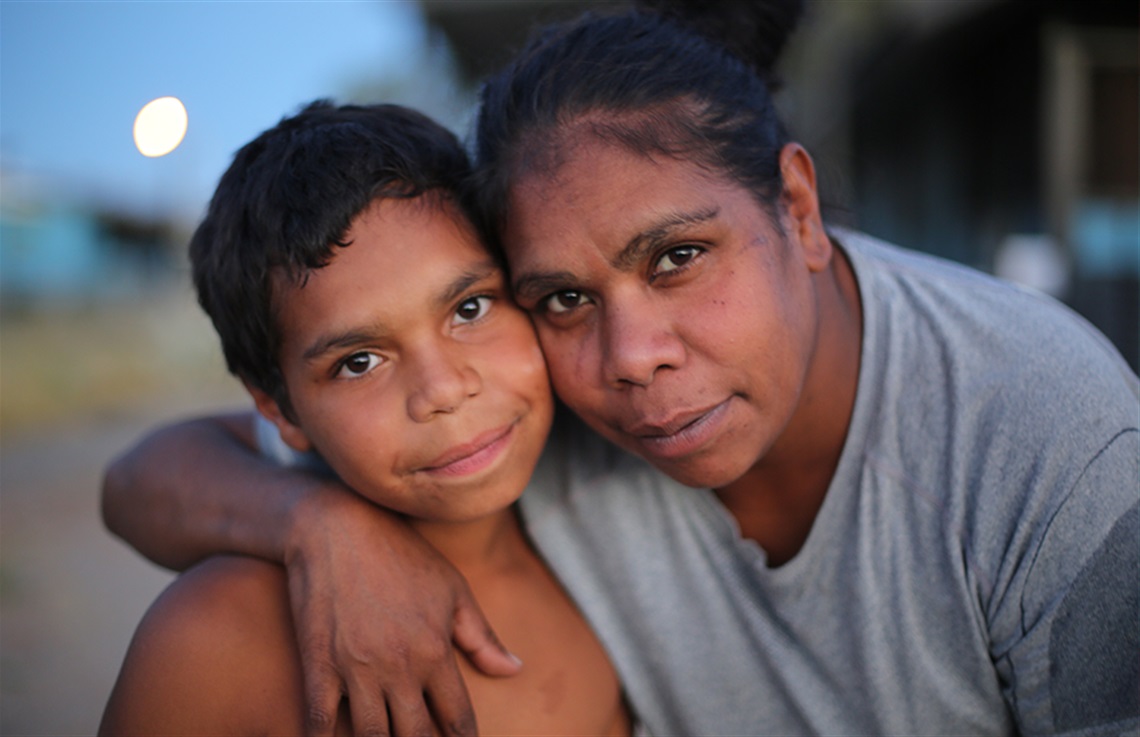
441 383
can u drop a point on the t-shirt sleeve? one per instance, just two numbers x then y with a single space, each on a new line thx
1076 670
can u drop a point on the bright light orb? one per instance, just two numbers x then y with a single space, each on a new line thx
160 126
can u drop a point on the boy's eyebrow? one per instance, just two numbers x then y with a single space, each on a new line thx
540 283
463 282
356 336
345 339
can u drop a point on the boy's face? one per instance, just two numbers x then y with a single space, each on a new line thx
410 369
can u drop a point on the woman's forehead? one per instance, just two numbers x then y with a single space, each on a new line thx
594 175
609 200
665 129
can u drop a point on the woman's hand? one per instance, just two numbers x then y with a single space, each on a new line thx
377 610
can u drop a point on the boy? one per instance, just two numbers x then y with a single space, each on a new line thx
357 304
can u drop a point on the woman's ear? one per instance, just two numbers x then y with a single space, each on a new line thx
800 202
292 434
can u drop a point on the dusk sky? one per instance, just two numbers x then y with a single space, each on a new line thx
73 75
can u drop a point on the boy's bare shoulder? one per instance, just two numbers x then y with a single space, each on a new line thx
567 684
214 654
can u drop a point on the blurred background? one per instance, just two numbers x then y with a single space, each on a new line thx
1001 133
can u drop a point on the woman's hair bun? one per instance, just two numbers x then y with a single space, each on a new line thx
756 31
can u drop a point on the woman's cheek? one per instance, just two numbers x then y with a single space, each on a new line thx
573 364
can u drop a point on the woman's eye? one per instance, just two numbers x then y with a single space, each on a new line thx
676 258
358 364
471 309
565 301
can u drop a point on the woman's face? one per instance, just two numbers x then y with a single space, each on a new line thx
676 316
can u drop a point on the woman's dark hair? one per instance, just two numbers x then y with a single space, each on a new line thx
287 201
685 79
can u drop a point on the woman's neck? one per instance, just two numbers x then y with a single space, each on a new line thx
777 500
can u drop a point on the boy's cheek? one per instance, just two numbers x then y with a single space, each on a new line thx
518 341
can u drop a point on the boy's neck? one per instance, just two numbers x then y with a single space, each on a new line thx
476 545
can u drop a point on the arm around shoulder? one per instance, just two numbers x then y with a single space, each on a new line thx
199 487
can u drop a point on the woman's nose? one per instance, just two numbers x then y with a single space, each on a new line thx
638 341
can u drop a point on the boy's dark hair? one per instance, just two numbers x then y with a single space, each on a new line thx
287 201
692 80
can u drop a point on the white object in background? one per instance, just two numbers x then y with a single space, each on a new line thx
160 126
1033 261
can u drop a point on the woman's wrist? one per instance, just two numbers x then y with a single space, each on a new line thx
321 510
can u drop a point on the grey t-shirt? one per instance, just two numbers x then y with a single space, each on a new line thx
975 566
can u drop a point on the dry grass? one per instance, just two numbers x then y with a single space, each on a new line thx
64 364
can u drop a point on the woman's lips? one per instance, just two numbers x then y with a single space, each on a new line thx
681 434
468 458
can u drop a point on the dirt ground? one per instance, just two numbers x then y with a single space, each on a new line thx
70 593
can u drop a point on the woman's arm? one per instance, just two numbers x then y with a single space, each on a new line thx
196 488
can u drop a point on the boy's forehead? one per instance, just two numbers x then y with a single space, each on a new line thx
429 208
382 214
393 238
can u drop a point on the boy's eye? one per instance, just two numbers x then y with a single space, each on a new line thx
676 258
564 301
471 309
358 364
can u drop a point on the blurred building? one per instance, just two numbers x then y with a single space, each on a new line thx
1009 139
483 34
1000 133
61 251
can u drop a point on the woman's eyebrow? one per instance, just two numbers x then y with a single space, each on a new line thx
533 286
655 236
538 284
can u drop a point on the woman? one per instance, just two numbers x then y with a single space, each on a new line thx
916 502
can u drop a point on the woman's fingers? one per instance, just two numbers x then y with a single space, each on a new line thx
322 696
449 703
476 639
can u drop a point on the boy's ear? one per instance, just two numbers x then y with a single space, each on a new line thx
801 206
293 435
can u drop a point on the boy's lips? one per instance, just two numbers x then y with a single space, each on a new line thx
469 457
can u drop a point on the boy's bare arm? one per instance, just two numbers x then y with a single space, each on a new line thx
376 608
